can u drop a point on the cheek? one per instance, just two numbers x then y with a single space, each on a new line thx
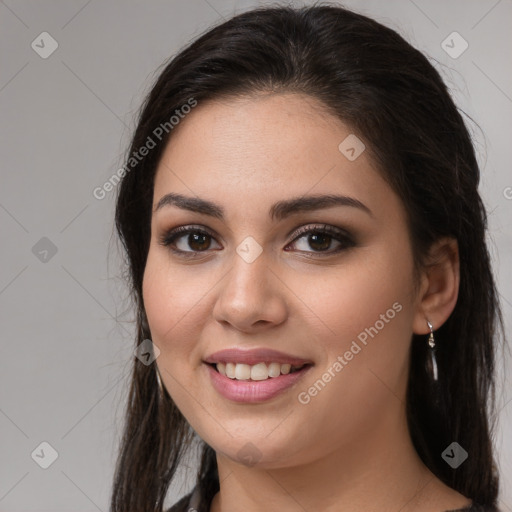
367 289
367 307
175 314
173 307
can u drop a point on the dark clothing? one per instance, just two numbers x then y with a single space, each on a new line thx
191 503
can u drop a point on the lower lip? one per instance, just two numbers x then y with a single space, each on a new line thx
251 391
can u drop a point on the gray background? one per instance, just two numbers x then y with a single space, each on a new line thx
65 120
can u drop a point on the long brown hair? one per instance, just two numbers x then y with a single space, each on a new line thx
396 102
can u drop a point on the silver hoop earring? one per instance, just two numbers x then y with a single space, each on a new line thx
432 365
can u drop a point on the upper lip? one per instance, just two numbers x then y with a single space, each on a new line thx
254 356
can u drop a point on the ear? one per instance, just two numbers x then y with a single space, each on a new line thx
439 286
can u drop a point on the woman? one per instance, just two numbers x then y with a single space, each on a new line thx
306 248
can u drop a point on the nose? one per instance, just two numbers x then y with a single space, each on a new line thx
251 297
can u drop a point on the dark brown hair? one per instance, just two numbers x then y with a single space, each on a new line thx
396 102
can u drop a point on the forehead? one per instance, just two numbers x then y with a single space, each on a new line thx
265 130
254 150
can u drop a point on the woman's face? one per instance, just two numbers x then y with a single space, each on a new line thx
343 302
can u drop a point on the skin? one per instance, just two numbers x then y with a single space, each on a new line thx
348 449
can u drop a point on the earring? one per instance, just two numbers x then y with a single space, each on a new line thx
159 380
432 366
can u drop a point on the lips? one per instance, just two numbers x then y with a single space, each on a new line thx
267 383
255 356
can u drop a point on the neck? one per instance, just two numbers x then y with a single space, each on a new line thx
378 470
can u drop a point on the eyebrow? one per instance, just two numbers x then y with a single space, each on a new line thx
278 211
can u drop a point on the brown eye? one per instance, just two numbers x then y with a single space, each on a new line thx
321 238
187 239
319 241
198 241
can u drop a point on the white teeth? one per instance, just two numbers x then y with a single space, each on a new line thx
222 368
274 370
285 368
242 372
230 370
260 371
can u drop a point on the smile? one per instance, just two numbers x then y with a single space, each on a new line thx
254 375
260 371
248 390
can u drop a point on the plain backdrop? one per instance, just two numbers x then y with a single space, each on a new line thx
66 118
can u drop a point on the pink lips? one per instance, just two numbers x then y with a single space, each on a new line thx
250 391
254 356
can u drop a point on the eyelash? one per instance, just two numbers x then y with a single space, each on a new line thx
168 238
